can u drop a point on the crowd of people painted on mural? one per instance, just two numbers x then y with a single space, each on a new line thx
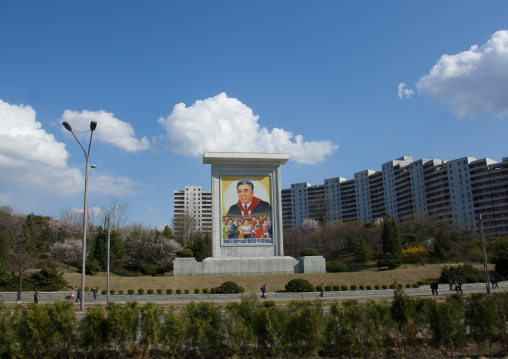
247 227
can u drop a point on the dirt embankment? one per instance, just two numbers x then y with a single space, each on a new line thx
252 283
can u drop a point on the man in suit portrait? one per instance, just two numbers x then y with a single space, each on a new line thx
248 204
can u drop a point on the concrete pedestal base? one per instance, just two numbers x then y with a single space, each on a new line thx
249 265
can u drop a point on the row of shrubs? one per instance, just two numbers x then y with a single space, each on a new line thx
302 285
226 287
232 287
405 327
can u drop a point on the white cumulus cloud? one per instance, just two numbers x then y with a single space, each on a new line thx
109 129
474 81
33 161
405 92
224 124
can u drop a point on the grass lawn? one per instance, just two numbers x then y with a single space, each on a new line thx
368 275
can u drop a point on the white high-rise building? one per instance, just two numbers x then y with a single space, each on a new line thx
196 204
455 191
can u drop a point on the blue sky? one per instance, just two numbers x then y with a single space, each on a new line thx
342 86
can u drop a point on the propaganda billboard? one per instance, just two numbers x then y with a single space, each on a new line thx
246 210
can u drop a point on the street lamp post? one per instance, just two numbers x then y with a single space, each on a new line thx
93 126
109 246
484 252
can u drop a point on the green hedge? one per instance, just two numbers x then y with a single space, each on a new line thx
302 329
184 253
335 267
299 285
466 273
308 252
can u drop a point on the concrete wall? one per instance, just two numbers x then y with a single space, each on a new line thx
249 265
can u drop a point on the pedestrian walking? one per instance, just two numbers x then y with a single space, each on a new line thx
459 286
322 288
436 286
432 287
94 293
451 285
36 296
78 295
263 291
72 295
496 281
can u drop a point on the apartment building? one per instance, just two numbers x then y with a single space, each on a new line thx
455 191
196 204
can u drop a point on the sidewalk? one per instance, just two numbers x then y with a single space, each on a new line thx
51 297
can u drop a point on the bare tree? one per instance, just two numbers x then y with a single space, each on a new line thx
68 225
21 241
185 226
119 212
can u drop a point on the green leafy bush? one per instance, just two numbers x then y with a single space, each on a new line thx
328 288
196 291
130 291
377 286
299 285
415 285
159 291
384 286
213 290
104 292
400 286
150 291
390 261
336 288
120 291
46 280
354 287
408 285
362 287
92 266
335 267
111 291
344 287
151 269
466 273
169 291
308 252
423 282
369 287
184 253
230 287
392 286
187 291
141 291
205 290
178 291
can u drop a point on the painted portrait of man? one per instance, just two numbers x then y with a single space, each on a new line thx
248 204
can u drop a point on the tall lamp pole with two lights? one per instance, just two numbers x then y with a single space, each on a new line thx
93 126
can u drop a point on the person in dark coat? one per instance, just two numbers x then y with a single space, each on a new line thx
322 288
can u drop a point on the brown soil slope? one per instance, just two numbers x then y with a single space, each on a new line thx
252 283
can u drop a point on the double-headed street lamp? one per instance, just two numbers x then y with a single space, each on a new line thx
93 126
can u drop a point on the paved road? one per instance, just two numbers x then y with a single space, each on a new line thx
175 299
